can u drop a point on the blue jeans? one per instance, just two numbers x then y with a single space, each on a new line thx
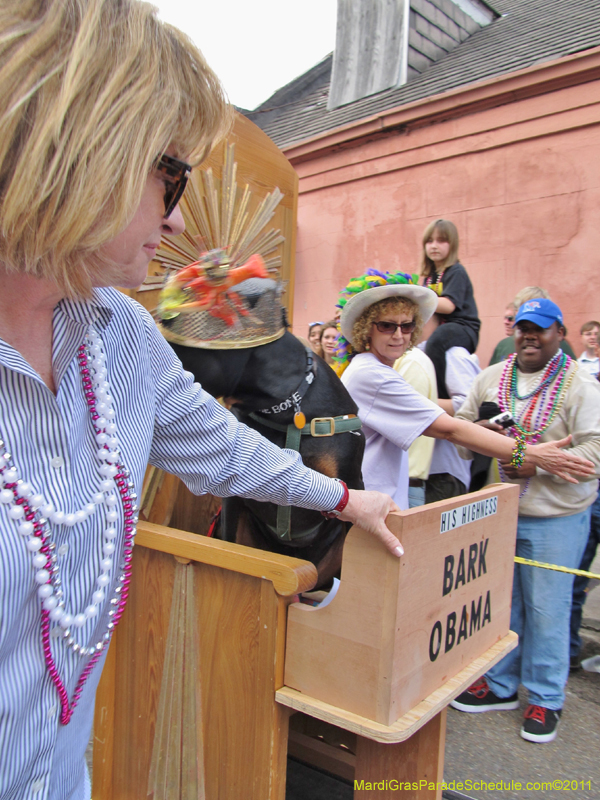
580 583
416 496
541 609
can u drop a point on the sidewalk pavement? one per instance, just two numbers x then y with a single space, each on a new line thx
488 747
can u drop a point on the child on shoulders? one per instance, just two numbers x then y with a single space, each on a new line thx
442 272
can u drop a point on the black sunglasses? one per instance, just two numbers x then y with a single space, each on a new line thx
175 174
392 327
508 318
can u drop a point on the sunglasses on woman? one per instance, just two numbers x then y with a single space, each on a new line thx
175 174
392 327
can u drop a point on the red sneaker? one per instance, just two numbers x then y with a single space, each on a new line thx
540 724
479 697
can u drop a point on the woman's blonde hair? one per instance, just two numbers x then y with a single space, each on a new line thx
93 92
446 230
361 330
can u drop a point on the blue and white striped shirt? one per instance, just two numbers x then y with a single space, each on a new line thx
162 417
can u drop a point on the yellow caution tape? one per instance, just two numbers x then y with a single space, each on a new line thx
555 567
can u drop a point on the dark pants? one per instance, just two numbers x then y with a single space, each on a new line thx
448 335
580 583
443 486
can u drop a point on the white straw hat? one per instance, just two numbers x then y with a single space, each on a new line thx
425 298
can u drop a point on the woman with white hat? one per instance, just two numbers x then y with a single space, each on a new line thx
382 317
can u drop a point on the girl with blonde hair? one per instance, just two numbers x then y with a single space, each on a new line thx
456 307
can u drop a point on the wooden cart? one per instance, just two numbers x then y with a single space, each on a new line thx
212 656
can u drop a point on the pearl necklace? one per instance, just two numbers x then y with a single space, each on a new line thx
32 514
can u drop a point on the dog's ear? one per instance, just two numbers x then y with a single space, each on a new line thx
284 319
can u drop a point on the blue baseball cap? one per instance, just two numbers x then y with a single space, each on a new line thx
540 311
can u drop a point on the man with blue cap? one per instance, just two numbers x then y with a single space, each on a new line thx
546 397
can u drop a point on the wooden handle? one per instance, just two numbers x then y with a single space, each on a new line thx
288 575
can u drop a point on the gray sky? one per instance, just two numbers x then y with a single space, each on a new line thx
255 46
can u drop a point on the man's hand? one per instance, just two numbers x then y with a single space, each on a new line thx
369 510
526 471
492 426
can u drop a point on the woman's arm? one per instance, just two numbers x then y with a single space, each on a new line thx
447 405
548 456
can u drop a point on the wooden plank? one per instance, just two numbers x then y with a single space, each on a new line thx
288 575
385 645
243 728
159 496
192 513
441 18
410 723
439 36
424 46
416 765
104 721
321 755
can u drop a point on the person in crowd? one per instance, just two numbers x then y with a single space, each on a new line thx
314 337
506 346
548 398
328 341
442 272
417 369
102 108
589 359
509 318
382 316
450 474
580 585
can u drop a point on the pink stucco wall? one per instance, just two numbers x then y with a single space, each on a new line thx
520 180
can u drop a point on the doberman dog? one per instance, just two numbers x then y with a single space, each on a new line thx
262 384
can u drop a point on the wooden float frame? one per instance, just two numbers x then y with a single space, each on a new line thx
243 598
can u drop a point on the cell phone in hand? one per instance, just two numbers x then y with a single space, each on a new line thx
504 419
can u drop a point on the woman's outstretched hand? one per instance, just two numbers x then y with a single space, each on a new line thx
369 510
552 458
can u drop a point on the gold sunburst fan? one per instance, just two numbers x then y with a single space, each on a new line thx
222 218
226 228
217 215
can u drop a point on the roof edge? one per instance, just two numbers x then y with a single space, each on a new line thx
280 96
537 79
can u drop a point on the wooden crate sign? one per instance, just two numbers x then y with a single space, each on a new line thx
399 628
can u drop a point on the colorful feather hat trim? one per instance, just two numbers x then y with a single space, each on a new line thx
370 280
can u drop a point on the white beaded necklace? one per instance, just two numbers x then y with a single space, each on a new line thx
32 514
